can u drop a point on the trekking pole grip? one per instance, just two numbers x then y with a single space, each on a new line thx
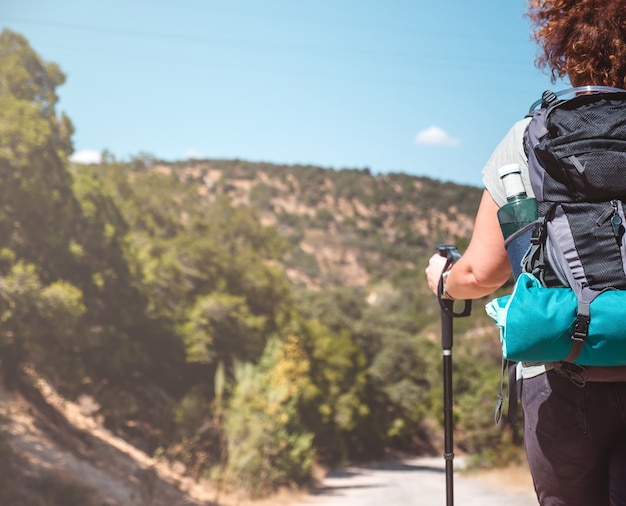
452 255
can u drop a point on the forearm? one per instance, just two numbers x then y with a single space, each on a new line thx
468 281
484 266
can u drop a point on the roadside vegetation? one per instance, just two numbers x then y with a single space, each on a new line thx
249 320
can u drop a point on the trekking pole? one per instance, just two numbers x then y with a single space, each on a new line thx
447 314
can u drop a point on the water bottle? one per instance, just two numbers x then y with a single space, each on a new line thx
516 216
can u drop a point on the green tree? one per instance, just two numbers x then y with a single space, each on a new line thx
401 374
68 241
37 208
268 444
39 323
338 413
221 328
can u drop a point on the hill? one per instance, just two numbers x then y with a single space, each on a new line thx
347 227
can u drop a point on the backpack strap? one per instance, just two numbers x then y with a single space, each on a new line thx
564 254
513 392
553 233
534 260
581 329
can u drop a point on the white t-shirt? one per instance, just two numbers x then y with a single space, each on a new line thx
511 150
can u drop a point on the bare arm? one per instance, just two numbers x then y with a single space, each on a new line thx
484 267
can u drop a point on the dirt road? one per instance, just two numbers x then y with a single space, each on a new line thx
418 482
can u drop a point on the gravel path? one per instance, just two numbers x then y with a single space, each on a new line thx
410 483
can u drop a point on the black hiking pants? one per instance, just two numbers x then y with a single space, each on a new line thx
575 440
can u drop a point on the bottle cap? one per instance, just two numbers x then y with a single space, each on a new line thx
511 176
511 168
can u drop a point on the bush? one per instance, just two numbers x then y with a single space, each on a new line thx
268 446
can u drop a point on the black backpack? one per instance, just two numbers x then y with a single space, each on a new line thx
576 152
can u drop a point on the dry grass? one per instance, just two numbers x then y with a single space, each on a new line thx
515 478
283 498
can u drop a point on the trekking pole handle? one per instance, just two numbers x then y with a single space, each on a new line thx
451 253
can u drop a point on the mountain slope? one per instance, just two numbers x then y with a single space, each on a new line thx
347 227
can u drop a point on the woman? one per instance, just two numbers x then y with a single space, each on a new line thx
575 437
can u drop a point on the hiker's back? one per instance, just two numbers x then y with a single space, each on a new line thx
569 303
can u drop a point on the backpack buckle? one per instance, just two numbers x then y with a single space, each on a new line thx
581 327
547 98
537 233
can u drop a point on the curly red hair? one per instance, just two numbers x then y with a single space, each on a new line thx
584 40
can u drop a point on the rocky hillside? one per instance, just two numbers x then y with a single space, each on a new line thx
347 227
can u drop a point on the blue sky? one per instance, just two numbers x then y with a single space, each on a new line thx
425 88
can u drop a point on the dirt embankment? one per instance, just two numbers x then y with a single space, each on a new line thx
53 439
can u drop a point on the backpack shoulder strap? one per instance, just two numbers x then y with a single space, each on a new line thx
535 130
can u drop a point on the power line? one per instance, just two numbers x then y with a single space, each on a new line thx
264 46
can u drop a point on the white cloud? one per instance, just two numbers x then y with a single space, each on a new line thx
86 156
435 136
192 154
